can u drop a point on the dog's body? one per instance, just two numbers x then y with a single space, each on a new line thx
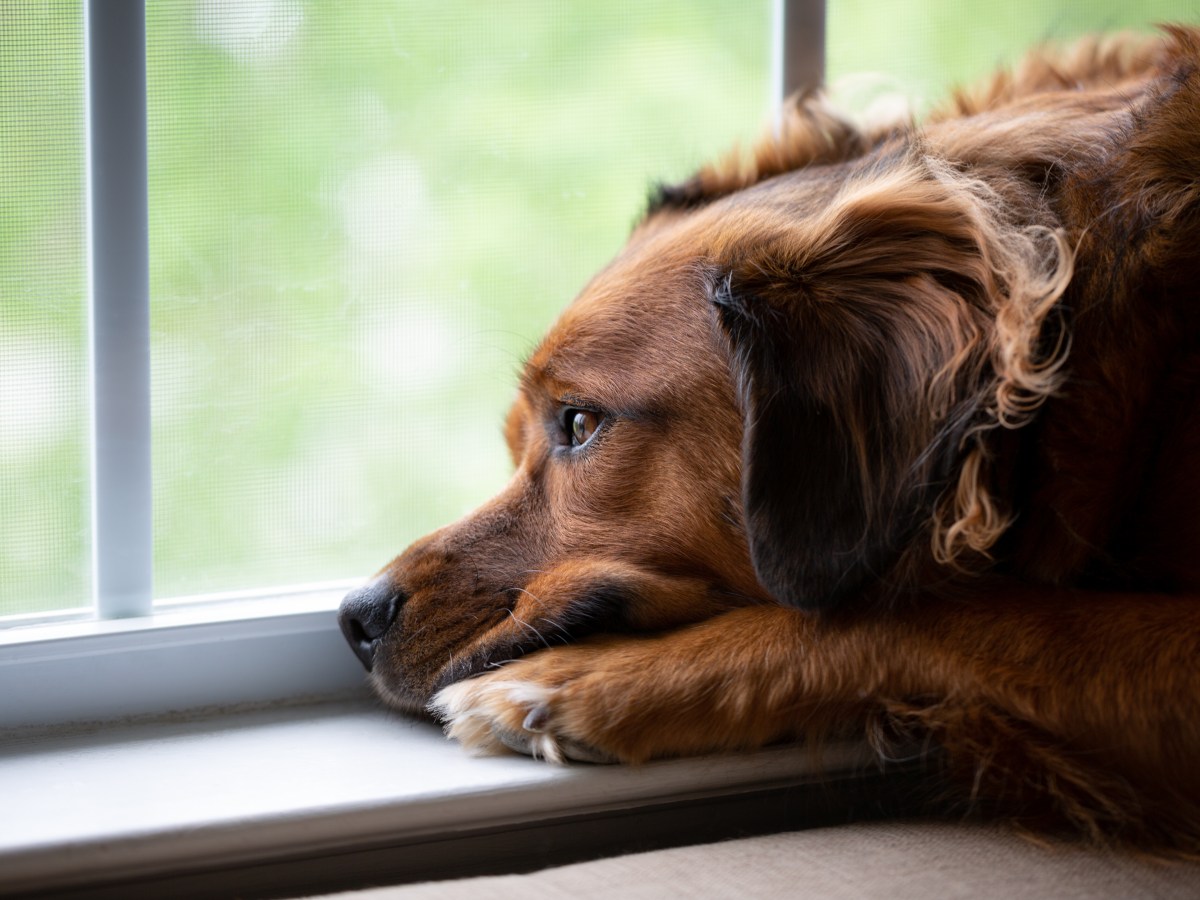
895 431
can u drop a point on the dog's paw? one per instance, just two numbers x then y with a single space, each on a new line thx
521 707
633 699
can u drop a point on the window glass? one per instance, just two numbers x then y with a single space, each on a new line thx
44 487
918 49
362 216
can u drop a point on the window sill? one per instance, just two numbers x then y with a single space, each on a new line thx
243 650
301 798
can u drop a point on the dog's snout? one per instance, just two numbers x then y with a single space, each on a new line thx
366 614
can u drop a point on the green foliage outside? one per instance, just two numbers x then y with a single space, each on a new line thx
362 216
923 47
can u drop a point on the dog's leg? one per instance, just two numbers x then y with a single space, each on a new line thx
1076 705
731 681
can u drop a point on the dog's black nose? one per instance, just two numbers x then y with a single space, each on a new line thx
366 614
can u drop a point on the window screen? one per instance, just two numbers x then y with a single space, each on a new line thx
362 215
44 488
918 49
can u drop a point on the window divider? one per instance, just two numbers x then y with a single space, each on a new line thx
119 306
799 46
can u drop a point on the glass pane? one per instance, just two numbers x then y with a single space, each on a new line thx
44 494
920 48
362 216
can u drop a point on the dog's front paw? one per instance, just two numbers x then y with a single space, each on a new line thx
632 699
505 710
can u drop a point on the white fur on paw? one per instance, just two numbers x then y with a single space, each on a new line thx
475 712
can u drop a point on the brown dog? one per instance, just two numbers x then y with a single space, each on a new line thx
895 431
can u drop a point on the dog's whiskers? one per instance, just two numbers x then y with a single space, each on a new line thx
528 627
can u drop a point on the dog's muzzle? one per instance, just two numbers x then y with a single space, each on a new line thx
366 614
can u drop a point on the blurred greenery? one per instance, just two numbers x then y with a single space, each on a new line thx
44 540
362 216
923 47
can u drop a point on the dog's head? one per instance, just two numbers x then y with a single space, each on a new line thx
776 393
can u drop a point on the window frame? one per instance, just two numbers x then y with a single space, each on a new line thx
128 656
118 241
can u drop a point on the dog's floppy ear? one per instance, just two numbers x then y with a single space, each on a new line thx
872 343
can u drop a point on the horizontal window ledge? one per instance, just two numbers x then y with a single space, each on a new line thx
292 799
240 651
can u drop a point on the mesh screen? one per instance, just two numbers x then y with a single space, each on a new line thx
919 48
362 216
44 494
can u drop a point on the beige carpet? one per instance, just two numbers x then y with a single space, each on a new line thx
890 861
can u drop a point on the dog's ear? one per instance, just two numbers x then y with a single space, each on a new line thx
866 348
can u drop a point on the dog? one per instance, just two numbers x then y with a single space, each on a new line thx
888 430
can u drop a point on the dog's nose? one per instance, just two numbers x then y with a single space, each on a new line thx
366 614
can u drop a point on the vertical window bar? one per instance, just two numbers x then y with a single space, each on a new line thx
119 285
800 45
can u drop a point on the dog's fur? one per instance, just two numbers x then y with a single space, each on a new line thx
899 432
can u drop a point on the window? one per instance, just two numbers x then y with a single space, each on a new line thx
923 47
360 217
44 533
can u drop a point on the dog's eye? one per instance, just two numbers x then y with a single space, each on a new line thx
580 425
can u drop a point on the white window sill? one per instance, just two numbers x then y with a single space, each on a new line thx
283 777
306 797
212 652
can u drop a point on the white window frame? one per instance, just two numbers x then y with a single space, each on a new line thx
129 656
118 230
